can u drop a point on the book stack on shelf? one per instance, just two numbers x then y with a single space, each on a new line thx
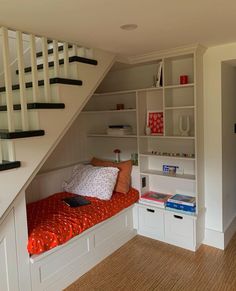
182 203
119 129
155 199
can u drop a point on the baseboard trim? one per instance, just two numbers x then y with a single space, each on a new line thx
229 232
214 238
220 239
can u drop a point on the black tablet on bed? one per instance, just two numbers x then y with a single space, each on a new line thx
76 201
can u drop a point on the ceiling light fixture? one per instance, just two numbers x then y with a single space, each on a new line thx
130 26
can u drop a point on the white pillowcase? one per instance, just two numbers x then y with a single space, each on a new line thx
92 181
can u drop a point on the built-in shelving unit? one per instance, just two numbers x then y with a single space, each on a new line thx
133 88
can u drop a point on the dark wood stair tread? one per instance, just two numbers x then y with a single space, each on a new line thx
5 134
50 51
6 165
36 105
56 80
61 62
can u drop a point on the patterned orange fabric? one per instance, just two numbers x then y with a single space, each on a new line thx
51 222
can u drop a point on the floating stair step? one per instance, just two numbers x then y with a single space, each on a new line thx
50 51
61 62
6 165
36 105
51 80
5 134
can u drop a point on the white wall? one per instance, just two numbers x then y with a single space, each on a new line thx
213 59
228 142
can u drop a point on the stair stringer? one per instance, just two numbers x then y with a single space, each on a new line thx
33 152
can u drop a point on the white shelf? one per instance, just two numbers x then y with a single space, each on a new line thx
165 156
179 86
114 136
167 136
160 173
179 107
115 92
108 111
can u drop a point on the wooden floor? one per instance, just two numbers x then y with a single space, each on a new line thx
146 264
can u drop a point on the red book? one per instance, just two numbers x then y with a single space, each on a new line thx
155 197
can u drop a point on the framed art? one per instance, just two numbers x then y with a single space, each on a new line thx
155 122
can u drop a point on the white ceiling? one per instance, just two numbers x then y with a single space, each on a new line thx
162 24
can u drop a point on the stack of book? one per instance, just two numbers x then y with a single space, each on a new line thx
119 129
155 199
182 203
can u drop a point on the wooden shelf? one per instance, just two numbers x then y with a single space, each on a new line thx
108 111
166 136
165 156
160 173
179 107
114 136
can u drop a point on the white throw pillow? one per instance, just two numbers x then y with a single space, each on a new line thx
92 181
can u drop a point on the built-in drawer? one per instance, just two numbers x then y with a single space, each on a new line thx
151 222
180 230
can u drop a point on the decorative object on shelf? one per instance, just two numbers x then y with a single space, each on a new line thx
120 106
119 129
134 159
183 79
184 119
165 154
155 122
170 170
148 130
117 153
157 79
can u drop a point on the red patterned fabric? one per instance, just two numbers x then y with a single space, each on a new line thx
51 222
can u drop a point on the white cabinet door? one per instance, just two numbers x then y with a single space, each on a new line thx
151 222
8 258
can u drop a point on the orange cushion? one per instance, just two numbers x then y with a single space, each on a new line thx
124 175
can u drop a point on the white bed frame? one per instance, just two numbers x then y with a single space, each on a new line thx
54 270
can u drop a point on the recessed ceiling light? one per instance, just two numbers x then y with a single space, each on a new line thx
130 26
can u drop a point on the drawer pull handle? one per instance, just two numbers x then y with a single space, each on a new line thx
150 210
178 216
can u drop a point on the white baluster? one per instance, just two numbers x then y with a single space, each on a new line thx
56 58
45 70
1 154
66 59
8 80
11 151
34 71
23 101
75 49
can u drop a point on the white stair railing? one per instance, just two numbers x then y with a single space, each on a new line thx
66 59
34 70
8 80
20 54
23 101
56 58
45 70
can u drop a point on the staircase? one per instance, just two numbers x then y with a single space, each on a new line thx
41 94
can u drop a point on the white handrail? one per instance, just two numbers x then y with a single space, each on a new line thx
23 101
34 68
8 80
47 90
